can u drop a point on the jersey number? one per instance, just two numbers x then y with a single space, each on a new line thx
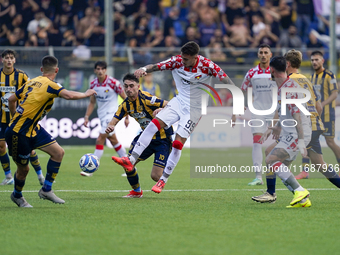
26 95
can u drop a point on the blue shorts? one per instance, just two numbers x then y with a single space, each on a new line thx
314 143
160 147
329 129
20 146
3 127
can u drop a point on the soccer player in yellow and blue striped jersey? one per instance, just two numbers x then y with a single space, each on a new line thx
35 100
294 59
11 79
141 105
325 83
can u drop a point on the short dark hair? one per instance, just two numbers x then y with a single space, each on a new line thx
8 52
317 52
264 45
130 77
279 63
190 48
100 64
49 63
294 57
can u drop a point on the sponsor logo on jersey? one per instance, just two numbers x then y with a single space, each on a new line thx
7 89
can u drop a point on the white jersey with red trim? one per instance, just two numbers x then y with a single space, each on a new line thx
262 85
107 95
189 81
287 121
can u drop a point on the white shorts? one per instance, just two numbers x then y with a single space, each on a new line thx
103 123
187 117
260 124
290 142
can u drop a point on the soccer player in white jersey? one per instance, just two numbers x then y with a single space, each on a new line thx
295 134
259 79
189 70
108 89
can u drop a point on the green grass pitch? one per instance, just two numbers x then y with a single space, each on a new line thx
191 215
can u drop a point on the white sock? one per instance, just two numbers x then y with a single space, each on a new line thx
120 150
257 159
287 177
99 151
143 142
171 163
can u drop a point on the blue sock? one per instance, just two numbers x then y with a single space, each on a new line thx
4 159
271 182
18 186
133 179
52 171
305 164
332 176
35 163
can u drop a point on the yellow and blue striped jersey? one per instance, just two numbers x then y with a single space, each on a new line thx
311 104
35 100
9 84
141 110
325 84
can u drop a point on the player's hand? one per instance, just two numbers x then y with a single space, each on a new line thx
90 92
140 72
276 132
109 129
233 119
265 136
126 121
86 121
155 112
302 147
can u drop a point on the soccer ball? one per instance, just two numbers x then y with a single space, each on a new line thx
89 163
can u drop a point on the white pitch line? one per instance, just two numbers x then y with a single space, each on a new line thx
175 190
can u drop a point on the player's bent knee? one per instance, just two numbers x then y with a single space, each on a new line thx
177 145
155 176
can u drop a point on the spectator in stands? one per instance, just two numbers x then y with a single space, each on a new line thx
55 36
269 35
169 28
150 86
17 37
119 33
154 10
7 11
290 40
69 38
170 46
233 10
216 53
206 27
192 34
16 22
142 33
86 23
63 25
314 43
239 33
285 12
140 56
48 9
253 9
192 20
220 38
27 10
97 38
157 40
40 22
305 12
258 25
32 41
81 52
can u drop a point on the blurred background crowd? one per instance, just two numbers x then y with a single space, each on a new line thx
216 24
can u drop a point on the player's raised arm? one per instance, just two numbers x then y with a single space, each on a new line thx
74 95
143 71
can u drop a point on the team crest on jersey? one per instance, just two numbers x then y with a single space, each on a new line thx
14 83
24 161
140 108
198 77
106 91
